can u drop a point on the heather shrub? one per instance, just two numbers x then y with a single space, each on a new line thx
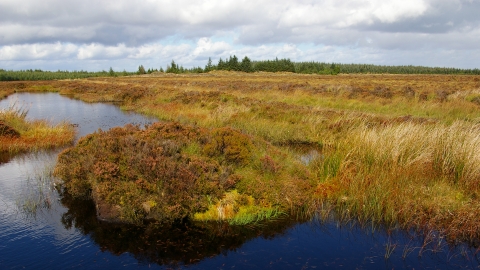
232 145
167 171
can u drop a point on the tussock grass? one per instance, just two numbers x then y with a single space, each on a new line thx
408 175
31 135
238 209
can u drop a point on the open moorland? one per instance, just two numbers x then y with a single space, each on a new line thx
393 150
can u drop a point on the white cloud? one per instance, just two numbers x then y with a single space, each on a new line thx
206 48
36 51
391 11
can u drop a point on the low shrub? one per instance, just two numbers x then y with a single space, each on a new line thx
166 172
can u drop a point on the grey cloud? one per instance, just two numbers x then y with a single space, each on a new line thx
111 22
443 17
361 28
260 22
435 27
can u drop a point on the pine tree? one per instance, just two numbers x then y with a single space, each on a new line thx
221 64
141 70
209 66
246 65
233 63
173 68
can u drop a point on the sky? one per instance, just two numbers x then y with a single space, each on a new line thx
96 35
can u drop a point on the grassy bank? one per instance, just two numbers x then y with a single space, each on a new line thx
17 134
398 150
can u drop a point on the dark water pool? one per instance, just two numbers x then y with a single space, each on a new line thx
42 229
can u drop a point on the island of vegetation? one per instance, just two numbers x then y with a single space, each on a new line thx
19 135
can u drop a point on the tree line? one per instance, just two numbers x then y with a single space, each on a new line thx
41 75
286 65
233 63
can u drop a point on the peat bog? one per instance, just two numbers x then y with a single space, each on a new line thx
259 154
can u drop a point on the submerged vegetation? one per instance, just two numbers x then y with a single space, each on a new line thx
17 134
396 150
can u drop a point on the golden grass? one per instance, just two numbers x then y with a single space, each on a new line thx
238 209
408 175
34 135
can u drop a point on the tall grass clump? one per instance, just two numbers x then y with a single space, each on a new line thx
238 209
409 175
17 134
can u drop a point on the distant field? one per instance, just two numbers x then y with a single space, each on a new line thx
398 150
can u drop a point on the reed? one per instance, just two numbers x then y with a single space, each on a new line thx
38 192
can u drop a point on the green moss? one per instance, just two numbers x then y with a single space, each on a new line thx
238 209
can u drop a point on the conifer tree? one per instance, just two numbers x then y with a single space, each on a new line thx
173 68
141 70
233 63
221 64
246 65
209 66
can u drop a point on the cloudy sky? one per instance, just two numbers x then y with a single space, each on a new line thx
95 35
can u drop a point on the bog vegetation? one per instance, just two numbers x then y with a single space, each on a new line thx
170 171
17 134
397 150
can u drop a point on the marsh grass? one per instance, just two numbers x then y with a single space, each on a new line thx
397 150
32 135
407 175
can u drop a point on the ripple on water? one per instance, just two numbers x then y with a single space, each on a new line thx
40 239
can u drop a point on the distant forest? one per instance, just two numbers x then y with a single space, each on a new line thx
41 75
244 65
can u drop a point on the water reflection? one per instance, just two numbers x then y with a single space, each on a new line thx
89 117
182 243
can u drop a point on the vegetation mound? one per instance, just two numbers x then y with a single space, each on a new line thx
169 171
